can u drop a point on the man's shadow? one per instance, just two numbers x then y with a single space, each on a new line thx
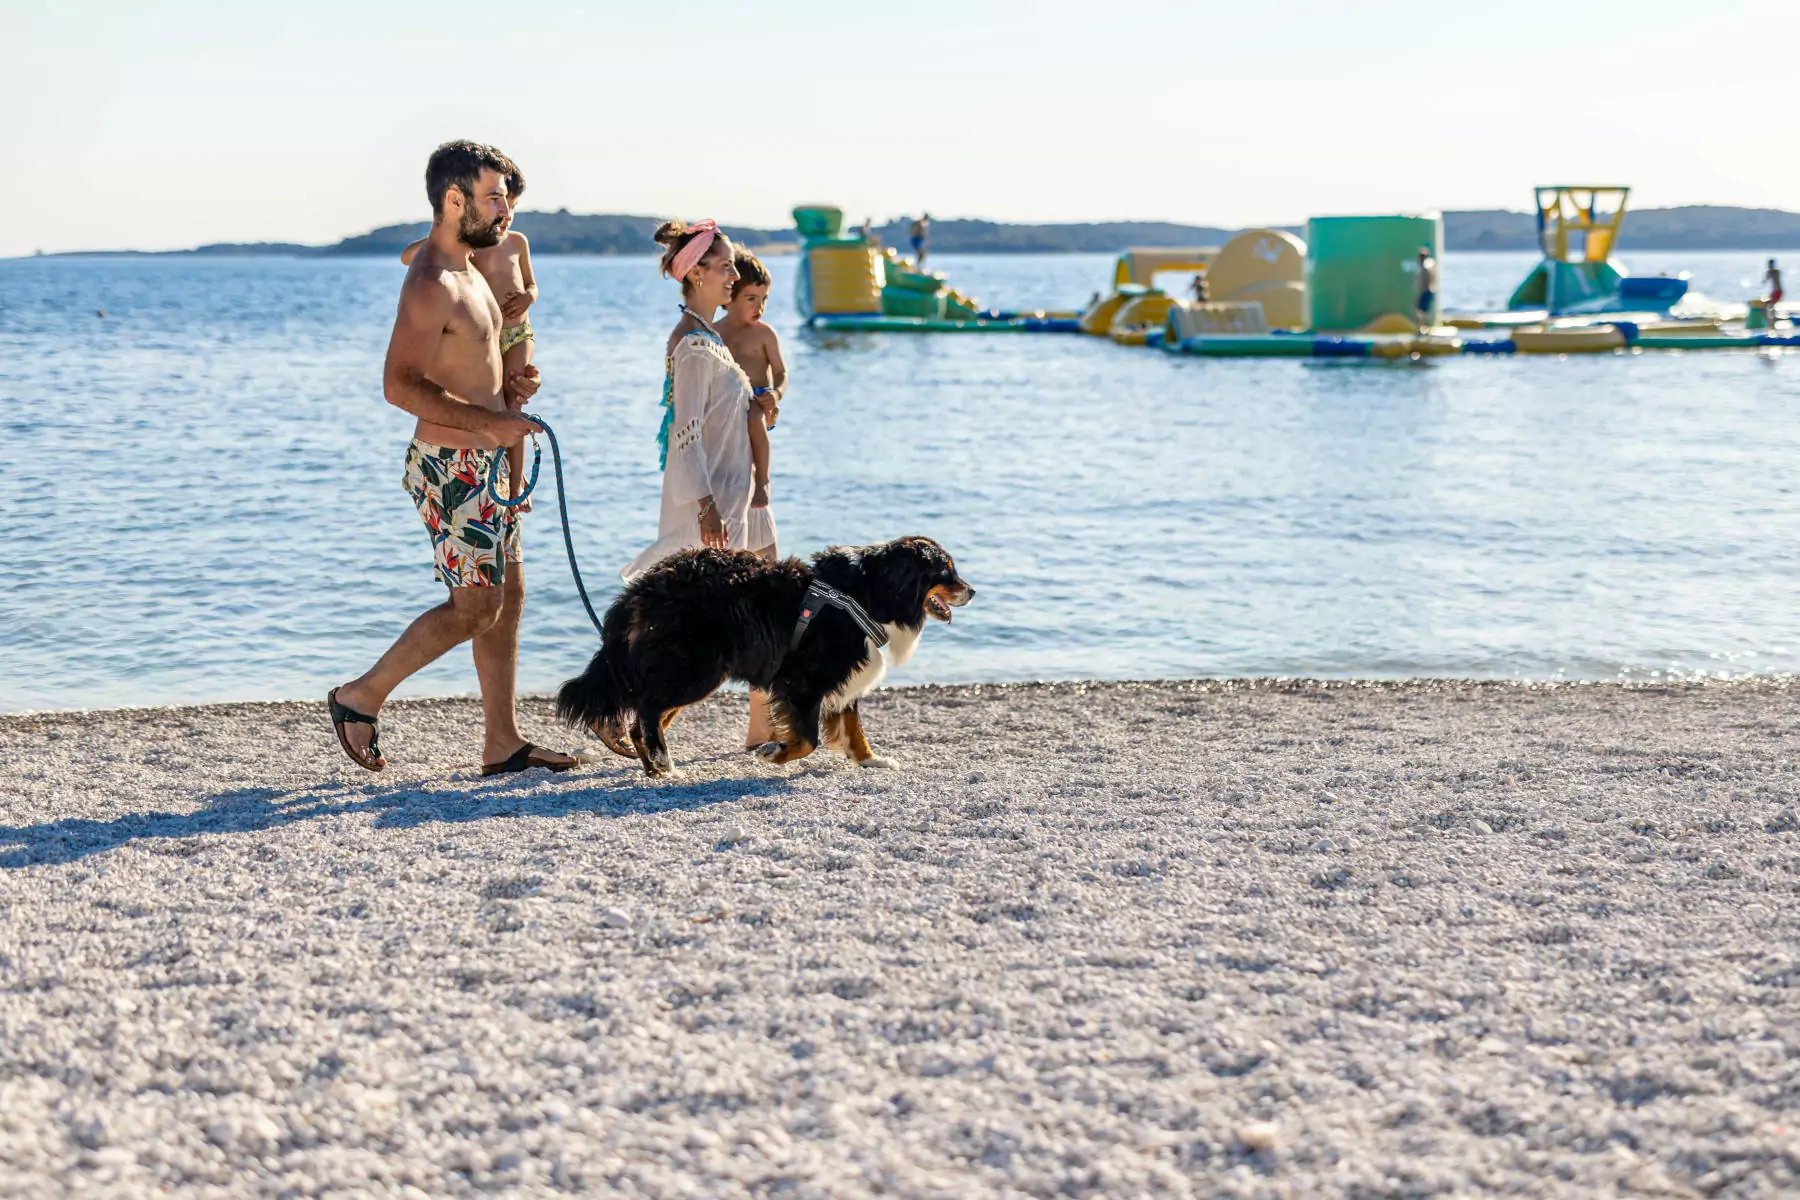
250 810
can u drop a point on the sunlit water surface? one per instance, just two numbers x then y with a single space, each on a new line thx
205 487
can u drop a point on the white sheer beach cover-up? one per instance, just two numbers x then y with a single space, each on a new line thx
709 452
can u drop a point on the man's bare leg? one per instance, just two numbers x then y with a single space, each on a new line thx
463 616
497 667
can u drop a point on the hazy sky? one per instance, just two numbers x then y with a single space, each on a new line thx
153 125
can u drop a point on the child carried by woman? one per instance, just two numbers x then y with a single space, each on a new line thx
758 352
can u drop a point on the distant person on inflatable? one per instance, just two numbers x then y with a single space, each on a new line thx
1199 286
1427 288
921 240
1772 297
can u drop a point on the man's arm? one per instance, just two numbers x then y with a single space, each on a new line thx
425 308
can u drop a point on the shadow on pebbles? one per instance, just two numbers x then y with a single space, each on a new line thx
1208 939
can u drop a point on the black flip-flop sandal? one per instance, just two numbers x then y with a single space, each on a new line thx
523 760
342 715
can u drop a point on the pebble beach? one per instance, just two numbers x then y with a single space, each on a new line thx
1266 938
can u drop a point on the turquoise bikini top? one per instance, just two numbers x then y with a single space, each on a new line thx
668 395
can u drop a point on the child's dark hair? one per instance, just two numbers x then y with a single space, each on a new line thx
672 236
515 183
750 271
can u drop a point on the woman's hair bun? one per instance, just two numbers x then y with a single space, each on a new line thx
669 232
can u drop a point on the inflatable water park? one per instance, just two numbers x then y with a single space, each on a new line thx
1350 288
847 280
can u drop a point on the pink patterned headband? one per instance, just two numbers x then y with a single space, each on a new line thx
685 259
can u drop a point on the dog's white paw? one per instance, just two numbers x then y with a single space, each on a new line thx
878 760
769 751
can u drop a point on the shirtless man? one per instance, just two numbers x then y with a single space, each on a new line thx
444 367
506 265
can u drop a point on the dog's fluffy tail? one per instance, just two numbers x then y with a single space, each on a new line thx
597 696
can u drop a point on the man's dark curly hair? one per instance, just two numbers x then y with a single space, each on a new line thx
458 165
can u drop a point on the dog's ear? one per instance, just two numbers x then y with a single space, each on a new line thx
891 568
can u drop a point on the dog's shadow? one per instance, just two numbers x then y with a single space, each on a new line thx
400 806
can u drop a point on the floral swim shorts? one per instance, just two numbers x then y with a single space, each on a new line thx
472 538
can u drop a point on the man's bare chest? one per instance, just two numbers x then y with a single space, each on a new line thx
476 314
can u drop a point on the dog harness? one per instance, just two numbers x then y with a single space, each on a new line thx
818 596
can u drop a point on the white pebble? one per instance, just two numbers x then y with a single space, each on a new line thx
1259 1135
614 918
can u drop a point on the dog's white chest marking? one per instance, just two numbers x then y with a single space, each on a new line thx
901 642
860 683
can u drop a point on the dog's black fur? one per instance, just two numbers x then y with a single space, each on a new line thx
700 617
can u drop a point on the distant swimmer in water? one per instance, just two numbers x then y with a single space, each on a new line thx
1427 288
920 232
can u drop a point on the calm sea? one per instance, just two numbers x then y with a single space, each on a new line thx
206 499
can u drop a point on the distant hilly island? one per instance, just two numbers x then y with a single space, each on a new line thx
1698 227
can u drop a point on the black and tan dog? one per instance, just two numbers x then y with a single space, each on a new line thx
701 617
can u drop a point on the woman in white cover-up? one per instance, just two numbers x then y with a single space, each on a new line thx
708 478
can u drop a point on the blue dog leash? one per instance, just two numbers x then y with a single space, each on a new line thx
819 595
562 502
537 464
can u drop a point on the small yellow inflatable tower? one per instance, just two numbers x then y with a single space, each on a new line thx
1266 266
845 278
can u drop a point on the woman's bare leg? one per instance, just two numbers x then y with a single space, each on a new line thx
761 730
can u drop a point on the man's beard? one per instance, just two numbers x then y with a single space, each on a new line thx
477 236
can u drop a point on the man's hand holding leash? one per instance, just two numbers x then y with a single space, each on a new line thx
508 428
